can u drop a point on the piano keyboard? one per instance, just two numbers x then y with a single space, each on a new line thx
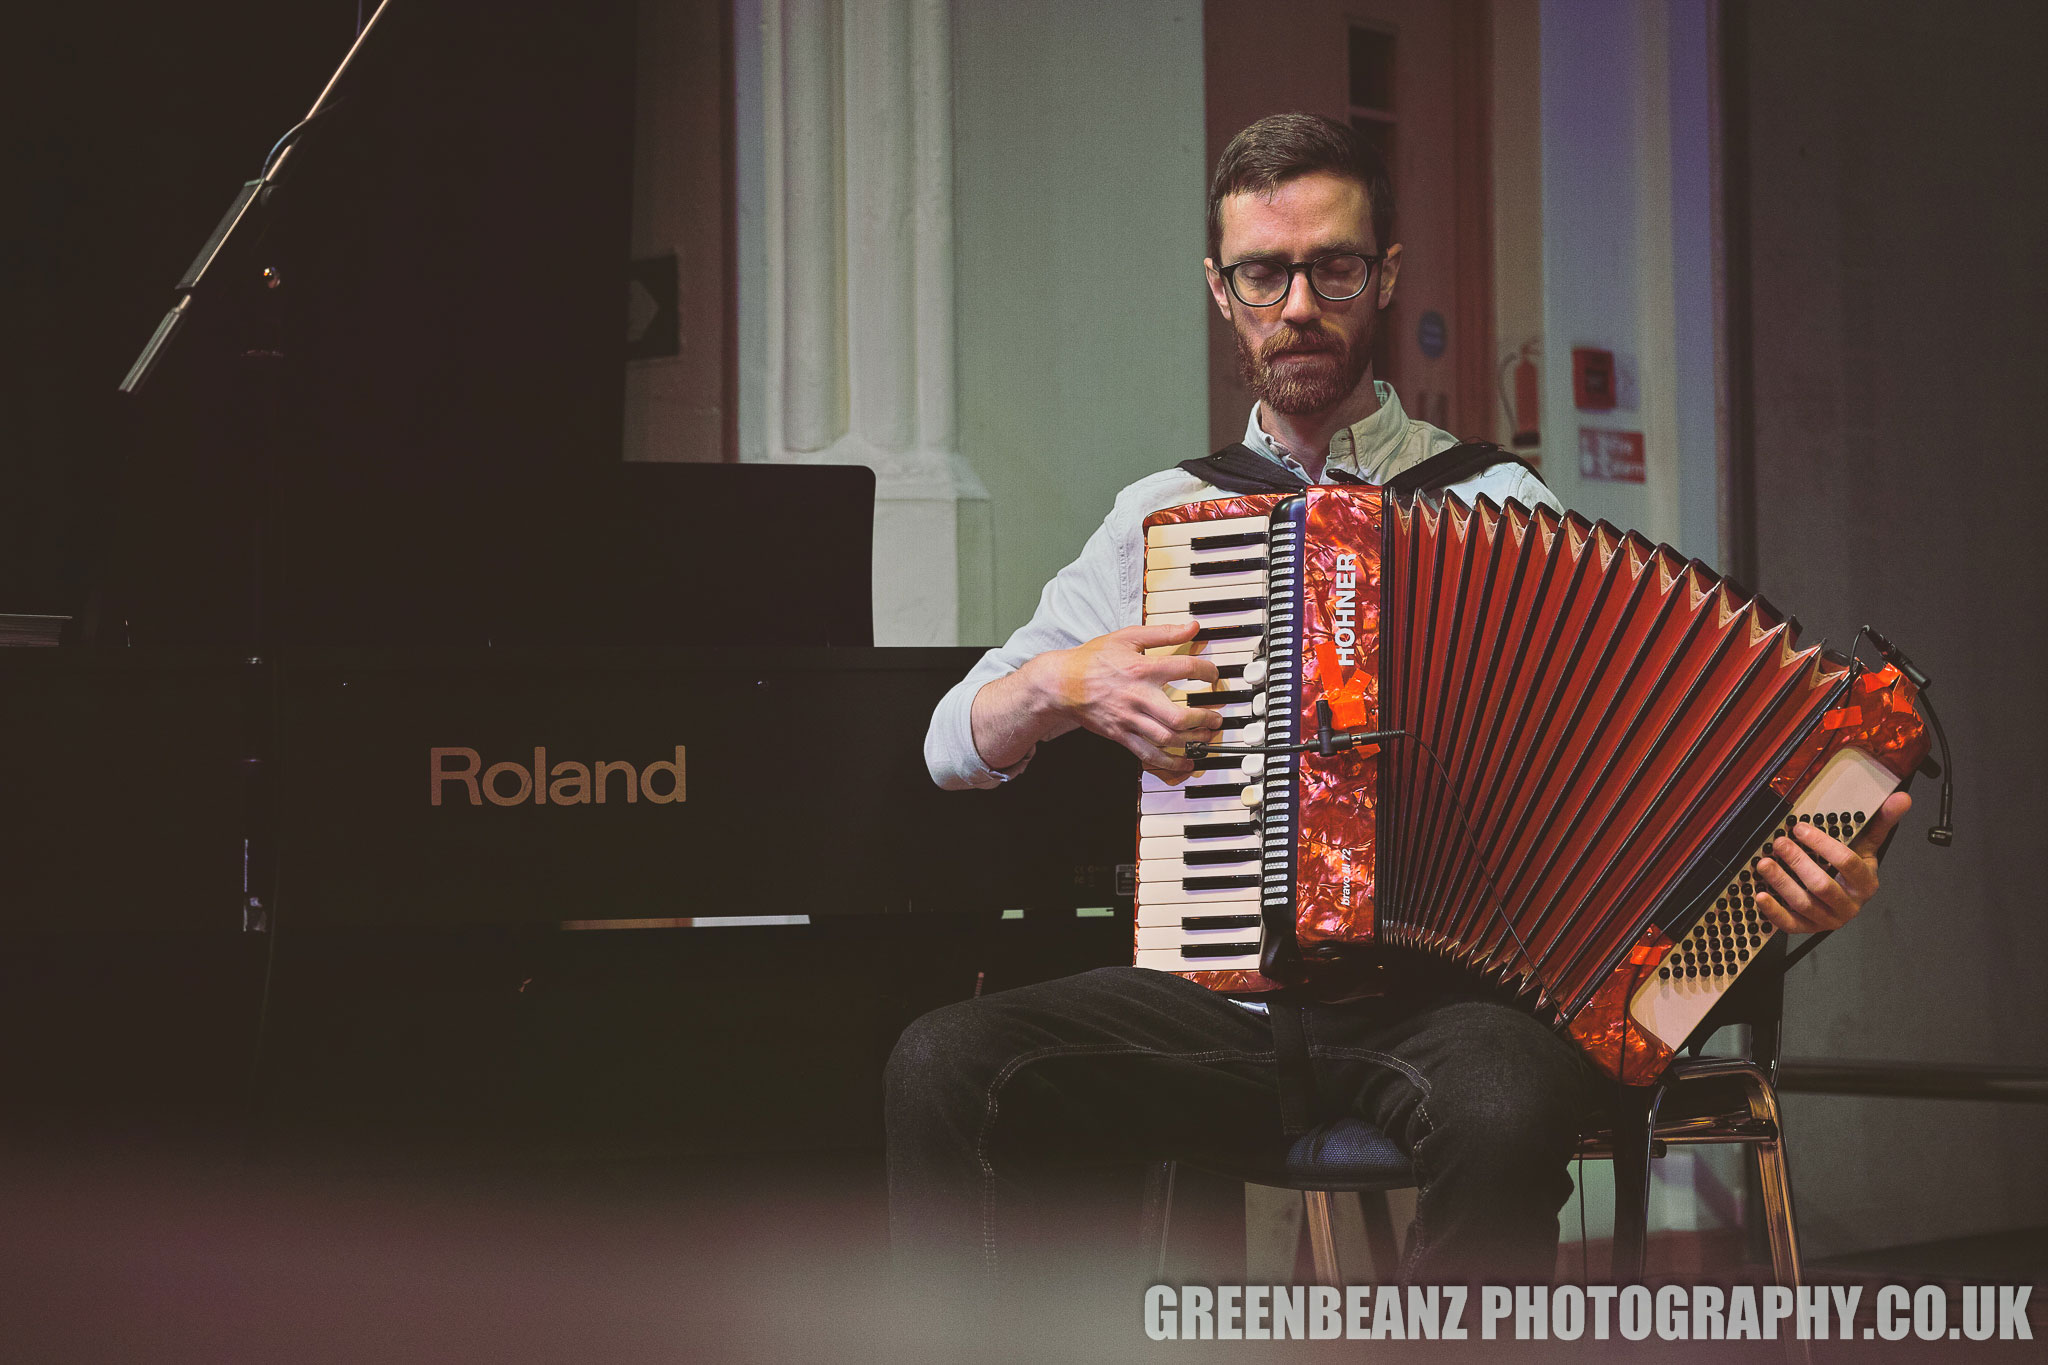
1200 840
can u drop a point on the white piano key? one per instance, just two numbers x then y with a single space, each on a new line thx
1184 532
1167 865
1150 782
1170 866
1176 842
1152 915
1165 936
1170 960
1175 801
1184 599
1249 579
1174 825
1235 848
1212 620
1191 553
1170 892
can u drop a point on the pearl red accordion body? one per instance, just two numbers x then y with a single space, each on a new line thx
1589 742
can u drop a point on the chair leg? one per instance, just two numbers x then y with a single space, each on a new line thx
1322 1239
1634 1136
1156 1223
1379 1236
1774 1183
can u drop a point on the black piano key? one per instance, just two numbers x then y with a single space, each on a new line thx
1227 542
1209 699
1199 950
1198 791
1221 830
1198 857
1215 567
1248 880
1193 922
1228 604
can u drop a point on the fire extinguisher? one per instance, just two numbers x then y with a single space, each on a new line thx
1520 396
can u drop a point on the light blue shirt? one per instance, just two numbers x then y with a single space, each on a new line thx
1103 590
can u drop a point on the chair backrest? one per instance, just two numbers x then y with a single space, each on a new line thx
1757 1001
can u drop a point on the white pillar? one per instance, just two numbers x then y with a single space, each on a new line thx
857 115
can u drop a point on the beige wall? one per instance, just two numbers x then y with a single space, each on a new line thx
1078 184
1517 192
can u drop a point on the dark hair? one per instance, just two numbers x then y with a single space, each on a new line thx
1282 147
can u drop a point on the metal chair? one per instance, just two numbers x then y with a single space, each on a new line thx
1345 1154
1698 1100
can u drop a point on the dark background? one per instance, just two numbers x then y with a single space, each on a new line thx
435 461
451 239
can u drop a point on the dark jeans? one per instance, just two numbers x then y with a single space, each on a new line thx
1122 1066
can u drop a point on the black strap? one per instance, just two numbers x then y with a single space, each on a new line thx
1238 468
1297 1071
1455 465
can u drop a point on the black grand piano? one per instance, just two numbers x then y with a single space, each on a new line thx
412 765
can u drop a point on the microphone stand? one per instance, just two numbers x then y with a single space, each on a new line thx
259 680
243 209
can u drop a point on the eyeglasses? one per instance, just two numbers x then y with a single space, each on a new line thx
1335 278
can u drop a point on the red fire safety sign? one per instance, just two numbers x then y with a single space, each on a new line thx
1616 456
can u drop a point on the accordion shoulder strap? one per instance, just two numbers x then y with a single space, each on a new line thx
1454 465
1238 469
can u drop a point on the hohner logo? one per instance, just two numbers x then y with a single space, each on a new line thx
565 784
1344 611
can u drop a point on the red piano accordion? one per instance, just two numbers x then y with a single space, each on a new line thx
1536 747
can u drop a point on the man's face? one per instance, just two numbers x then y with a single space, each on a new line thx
1304 354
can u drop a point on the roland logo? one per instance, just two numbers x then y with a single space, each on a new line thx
1344 611
457 775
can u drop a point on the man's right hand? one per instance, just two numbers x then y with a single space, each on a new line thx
1109 685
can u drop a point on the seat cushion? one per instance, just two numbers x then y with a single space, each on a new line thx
1343 1154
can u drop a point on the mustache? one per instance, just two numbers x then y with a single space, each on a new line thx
1291 339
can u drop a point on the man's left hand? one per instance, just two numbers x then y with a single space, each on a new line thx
1803 898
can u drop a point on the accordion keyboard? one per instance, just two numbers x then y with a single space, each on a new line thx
1198 839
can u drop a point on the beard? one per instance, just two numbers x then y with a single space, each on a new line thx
1321 371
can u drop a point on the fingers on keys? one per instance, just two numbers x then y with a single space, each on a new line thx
1169 668
1158 636
1882 822
1816 882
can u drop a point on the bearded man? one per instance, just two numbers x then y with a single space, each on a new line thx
990 1099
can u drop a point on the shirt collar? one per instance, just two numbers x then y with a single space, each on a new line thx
1363 448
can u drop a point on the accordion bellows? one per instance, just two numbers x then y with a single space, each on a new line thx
1592 740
